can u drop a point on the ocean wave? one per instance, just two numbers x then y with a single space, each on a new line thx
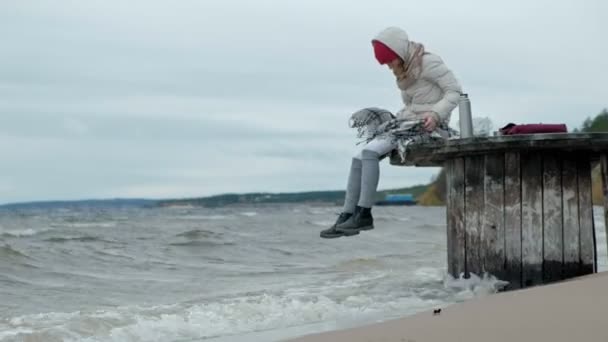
85 238
22 233
199 233
392 218
103 224
329 223
324 224
281 251
201 244
200 238
17 260
7 251
338 300
15 333
233 316
249 214
111 253
359 264
204 217
14 280
320 211
429 275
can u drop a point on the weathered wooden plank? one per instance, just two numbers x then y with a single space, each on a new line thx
570 217
604 166
532 212
437 152
474 196
493 223
586 226
455 217
513 220
553 239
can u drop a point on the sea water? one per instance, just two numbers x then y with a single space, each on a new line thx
241 273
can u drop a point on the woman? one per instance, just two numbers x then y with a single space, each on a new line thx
429 91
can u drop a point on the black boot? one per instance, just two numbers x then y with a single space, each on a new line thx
361 220
331 232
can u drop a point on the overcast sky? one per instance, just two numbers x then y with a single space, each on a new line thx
163 99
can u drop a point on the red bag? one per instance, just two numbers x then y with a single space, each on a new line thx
512 128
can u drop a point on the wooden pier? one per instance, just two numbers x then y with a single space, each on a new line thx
519 207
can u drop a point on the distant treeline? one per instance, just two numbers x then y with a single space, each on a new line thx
598 124
334 197
103 203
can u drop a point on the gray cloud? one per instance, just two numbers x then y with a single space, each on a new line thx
147 98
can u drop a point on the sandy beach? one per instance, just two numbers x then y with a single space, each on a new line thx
573 310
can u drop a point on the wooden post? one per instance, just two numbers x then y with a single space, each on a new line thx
455 216
570 217
519 207
473 207
585 215
553 233
532 225
493 223
512 220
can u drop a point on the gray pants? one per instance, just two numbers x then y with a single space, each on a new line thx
365 174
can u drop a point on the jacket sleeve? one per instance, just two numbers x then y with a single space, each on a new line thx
437 72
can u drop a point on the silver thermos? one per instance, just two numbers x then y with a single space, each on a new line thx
466 119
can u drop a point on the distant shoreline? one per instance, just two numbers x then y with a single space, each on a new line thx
321 197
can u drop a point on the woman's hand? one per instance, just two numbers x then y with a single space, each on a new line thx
430 121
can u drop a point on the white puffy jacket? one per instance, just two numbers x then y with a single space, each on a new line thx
437 90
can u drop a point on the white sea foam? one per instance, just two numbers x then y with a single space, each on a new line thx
18 233
14 333
320 211
106 224
249 214
22 233
474 285
204 217
429 274
325 224
200 321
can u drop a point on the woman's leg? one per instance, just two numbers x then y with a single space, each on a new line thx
353 186
370 169
370 175
360 190
353 189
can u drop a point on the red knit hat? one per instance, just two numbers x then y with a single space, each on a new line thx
383 53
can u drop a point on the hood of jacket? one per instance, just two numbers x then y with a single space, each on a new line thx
396 39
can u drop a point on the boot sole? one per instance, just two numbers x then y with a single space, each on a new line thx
354 231
334 236
331 236
337 233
